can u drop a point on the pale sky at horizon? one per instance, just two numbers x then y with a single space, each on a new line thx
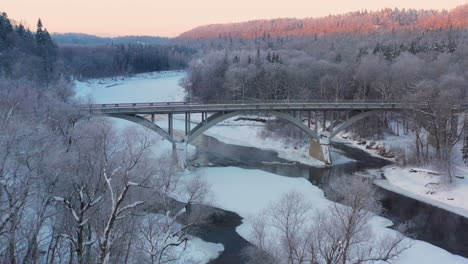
169 18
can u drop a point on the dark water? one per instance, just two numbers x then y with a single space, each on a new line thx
222 229
431 224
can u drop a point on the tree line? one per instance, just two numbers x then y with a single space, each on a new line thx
123 59
360 22
35 56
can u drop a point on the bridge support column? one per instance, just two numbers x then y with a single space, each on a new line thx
316 121
181 155
204 117
324 120
187 123
170 126
308 119
320 149
152 118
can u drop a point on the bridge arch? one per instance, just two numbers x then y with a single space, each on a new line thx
221 116
353 120
137 120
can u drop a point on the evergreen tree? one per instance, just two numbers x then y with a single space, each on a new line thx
40 38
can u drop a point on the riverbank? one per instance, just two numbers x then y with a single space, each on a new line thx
426 186
249 134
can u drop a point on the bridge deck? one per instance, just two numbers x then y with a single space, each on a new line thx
184 107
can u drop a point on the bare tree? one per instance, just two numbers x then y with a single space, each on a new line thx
338 234
177 209
343 233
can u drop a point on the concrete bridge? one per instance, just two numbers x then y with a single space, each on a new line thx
320 120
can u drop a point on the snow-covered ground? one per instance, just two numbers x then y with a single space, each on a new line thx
248 192
201 251
421 183
146 87
429 187
393 143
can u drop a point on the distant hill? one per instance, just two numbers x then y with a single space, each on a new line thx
85 39
361 22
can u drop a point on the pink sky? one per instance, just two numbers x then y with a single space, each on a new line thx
172 17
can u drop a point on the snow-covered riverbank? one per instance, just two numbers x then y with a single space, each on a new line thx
249 134
426 186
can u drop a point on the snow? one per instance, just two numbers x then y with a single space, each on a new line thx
424 185
200 251
248 133
147 87
164 232
58 199
249 192
427 187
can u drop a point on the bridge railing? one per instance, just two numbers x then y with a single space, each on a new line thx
240 102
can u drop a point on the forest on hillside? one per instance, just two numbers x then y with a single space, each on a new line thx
424 67
360 22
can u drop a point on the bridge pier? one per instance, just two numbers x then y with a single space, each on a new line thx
187 123
320 149
170 128
316 122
